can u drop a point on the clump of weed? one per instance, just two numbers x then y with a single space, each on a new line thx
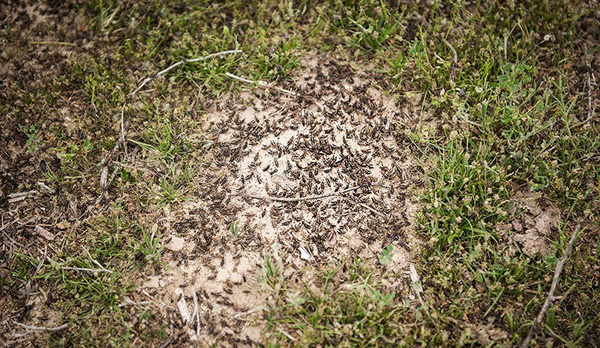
349 306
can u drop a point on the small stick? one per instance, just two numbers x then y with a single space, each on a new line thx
97 263
58 43
93 270
123 131
590 108
248 312
371 209
183 61
455 56
37 269
84 269
41 328
104 179
45 187
128 302
263 84
416 281
166 343
5 226
589 84
550 298
300 199
19 196
7 236
418 289
286 334
506 46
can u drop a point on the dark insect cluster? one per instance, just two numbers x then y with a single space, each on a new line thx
338 135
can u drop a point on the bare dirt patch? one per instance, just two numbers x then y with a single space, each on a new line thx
340 135
535 219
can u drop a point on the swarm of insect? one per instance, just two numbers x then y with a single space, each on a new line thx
339 137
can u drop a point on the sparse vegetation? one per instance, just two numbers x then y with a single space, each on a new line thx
386 255
150 245
507 138
235 229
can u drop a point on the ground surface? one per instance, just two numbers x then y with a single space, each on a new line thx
411 174
340 136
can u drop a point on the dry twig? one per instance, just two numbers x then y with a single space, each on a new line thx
57 43
45 187
33 329
166 343
300 199
286 334
248 312
128 302
589 85
371 209
263 84
5 226
19 196
183 61
98 263
41 328
104 179
418 289
83 269
590 106
14 242
93 270
124 124
455 55
550 298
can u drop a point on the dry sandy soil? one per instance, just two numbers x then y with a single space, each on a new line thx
338 139
306 180
337 149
